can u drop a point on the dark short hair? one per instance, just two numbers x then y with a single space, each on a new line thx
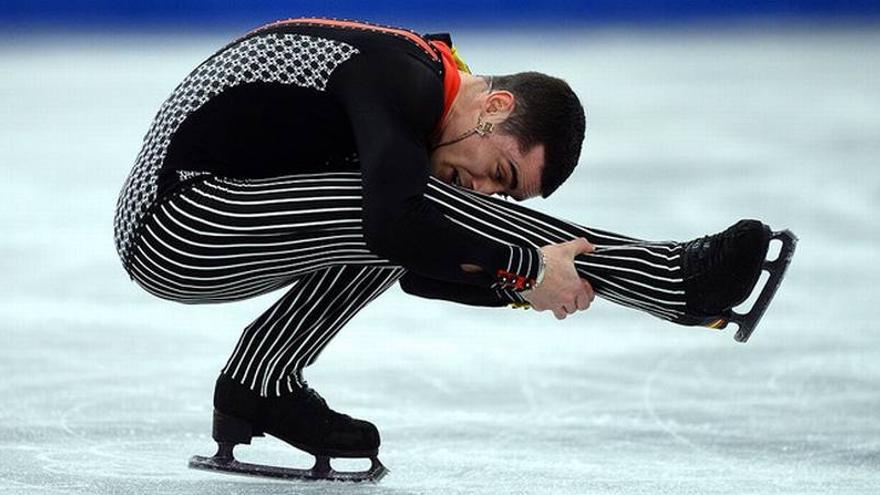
546 111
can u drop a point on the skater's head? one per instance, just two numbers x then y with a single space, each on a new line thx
518 135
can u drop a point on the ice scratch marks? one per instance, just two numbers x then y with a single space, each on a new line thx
669 426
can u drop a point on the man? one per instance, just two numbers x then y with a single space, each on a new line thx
336 158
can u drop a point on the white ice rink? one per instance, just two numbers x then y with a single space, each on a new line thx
105 389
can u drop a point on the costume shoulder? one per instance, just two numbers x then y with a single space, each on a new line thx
394 88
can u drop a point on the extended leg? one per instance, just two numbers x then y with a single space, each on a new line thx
691 283
641 274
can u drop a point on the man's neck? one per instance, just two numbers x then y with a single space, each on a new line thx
465 107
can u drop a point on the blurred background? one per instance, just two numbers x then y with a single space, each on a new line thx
550 14
700 112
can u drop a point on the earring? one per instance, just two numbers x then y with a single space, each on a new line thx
483 128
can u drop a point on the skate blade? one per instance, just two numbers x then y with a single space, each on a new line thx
321 471
747 322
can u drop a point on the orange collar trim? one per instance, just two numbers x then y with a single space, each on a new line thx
451 78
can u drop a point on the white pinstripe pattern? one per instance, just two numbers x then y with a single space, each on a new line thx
225 239
649 282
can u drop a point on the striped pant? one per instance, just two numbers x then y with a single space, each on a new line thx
221 239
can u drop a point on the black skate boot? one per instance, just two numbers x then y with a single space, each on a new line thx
302 419
720 271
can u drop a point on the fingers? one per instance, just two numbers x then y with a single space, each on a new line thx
587 247
580 246
565 293
583 301
586 297
589 290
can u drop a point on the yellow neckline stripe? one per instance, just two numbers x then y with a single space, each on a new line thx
459 62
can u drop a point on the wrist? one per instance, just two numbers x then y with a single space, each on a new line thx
542 268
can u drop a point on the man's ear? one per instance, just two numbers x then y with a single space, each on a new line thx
498 106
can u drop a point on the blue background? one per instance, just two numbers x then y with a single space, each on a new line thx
485 12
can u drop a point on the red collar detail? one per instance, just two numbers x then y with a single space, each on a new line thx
451 78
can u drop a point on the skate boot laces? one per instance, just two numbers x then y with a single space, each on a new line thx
720 270
704 255
312 400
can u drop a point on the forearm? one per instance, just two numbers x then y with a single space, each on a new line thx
471 295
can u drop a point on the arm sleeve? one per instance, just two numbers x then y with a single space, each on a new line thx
392 106
471 295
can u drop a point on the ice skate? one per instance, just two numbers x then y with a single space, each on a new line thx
302 420
720 272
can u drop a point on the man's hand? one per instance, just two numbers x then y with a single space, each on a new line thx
562 290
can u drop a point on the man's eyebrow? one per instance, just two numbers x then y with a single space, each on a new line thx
514 175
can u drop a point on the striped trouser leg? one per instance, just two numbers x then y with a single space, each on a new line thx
221 239
640 274
294 331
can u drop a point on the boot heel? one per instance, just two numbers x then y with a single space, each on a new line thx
232 430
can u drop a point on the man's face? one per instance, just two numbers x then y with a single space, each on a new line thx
491 164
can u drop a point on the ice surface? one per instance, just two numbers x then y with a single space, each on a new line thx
107 390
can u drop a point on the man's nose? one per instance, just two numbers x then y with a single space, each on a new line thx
484 185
